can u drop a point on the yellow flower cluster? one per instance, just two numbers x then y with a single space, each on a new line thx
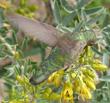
24 82
84 82
87 58
67 93
81 77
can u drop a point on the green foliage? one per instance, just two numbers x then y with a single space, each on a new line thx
81 20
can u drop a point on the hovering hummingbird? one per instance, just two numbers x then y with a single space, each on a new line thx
65 50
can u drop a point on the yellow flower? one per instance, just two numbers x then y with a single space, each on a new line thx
56 77
51 77
57 80
46 93
85 92
73 75
4 4
90 53
50 95
76 85
89 82
99 66
97 61
88 72
61 72
20 79
54 96
81 88
67 93
16 55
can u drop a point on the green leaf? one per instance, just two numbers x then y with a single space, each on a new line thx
93 11
105 78
56 11
96 51
1 18
78 26
94 20
69 18
66 7
106 59
82 3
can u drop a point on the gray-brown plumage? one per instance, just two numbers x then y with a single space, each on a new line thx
51 36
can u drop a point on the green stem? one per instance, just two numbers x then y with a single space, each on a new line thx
7 45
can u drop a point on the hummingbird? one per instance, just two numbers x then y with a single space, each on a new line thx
65 49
